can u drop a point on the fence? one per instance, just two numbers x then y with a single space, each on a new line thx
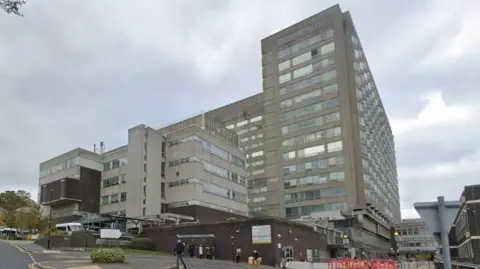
361 264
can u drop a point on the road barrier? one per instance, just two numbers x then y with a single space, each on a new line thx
361 264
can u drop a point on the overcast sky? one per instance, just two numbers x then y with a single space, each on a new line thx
73 73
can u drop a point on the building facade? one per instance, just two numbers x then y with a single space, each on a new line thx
464 235
318 140
315 140
182 167
414 238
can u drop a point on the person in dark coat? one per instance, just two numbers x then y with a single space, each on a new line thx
178 251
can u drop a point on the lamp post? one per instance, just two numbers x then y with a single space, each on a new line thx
346 241
49 220
398 239
233 247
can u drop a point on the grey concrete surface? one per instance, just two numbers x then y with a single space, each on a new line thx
142 262
12 257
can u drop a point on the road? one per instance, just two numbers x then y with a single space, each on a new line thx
13 258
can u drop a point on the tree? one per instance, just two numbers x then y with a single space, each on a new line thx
11 202
12 6
30 218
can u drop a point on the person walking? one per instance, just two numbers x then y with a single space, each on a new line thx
179 248
238 254
200 252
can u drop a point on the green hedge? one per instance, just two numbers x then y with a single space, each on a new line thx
142 244
108 255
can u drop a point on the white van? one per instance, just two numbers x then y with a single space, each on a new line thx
70 227
11 233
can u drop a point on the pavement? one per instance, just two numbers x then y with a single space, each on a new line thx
29 255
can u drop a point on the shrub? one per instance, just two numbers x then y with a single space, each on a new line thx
108 255
142 244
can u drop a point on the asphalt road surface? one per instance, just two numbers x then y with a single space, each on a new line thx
13 258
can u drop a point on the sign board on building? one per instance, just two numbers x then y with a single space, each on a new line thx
262 234
110 233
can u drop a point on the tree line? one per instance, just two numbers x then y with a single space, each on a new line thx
19 210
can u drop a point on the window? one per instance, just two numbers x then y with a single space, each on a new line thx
335 146
327 48
284 78
302 71
289 155
109 182
302 139
115 164
105 200
257 172
290 184
309 96
326 34
255 119
123 196
302 84
257 163
241 123
302 58
106 166
311 122
257 154
313 165
283 65
309 109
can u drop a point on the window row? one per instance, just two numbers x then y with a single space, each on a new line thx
255 163
213 149
307 138
325 49
59 167
114 181
313 151
114 198
307 210
212 169
310 109
314 194
325 35
309 69
297 86
313 165
115 164
314 180
318 121
212 189
244 122
246 130
308 96
253 137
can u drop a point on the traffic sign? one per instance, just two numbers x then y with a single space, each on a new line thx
438 217
429 213
110 233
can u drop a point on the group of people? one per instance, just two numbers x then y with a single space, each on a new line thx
204 252
255 256
207 253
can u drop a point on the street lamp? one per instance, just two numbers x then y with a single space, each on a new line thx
49 243
398 239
